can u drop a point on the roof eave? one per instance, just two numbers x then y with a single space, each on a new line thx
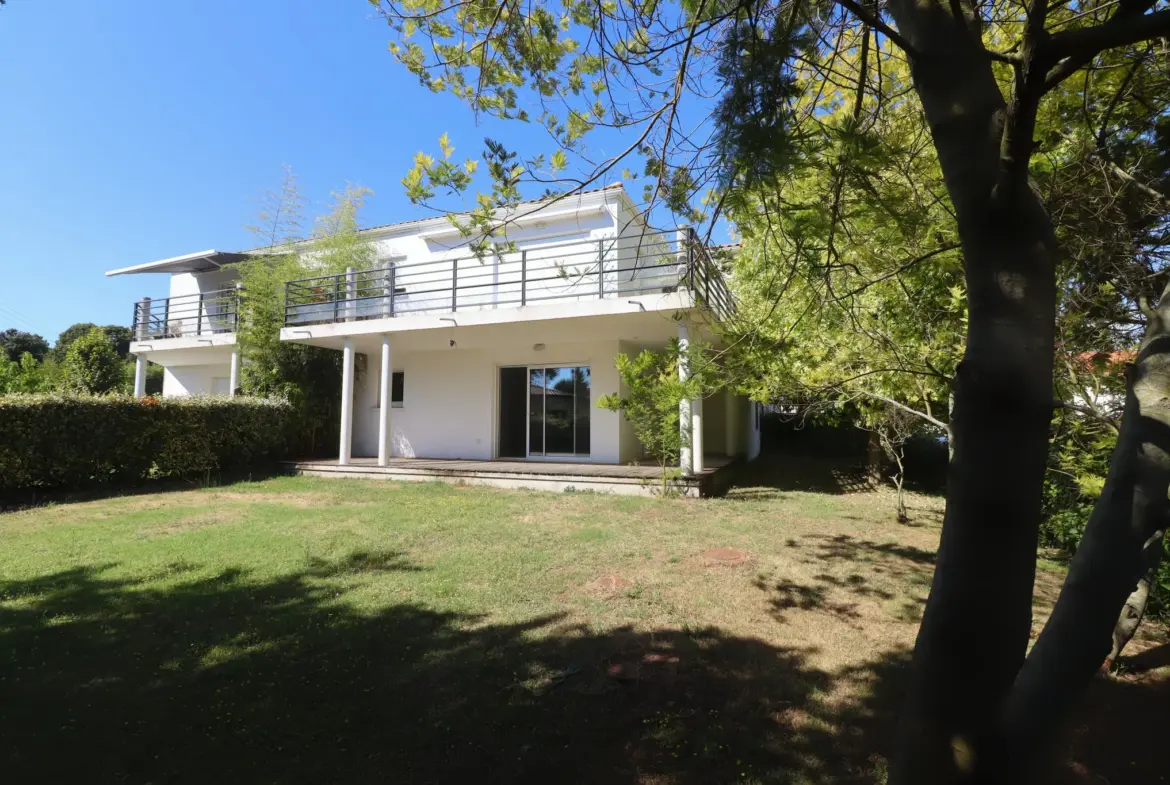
200 261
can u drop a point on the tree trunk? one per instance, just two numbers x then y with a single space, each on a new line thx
978 618
1108 564
1135 607
977 621
873 458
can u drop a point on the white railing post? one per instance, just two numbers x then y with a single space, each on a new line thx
685 259
237 304
601 269
346 403
388 290
143 319
385 392
350 293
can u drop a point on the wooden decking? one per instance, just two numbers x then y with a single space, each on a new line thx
638 480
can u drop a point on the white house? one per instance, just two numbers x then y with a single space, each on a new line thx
498 359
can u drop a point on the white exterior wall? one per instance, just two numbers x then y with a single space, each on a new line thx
450 404
428 267
195 380
194 283
556 252
649 261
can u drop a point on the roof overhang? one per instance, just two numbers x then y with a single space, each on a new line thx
200 262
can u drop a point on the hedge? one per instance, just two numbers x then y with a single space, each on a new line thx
68 442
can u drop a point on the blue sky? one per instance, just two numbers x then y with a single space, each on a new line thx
133 131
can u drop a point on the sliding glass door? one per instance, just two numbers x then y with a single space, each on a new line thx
558 411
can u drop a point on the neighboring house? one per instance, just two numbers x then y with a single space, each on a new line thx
501 358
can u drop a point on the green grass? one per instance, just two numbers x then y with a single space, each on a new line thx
301 630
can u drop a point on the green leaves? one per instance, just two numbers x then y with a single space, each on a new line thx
92 365
558 161
80 441
654 392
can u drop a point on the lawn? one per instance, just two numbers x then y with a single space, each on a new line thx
300 630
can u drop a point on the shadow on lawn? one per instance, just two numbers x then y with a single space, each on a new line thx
774 473
229 679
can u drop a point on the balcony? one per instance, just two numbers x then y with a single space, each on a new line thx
576 271
187 316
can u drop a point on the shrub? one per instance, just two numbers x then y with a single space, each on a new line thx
54 442
92 365
652 394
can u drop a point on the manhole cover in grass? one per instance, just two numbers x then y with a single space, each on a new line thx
728 556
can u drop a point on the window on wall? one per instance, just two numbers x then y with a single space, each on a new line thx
397 385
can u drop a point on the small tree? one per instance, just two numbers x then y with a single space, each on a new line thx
893 427
15 343
120 336
67 337
653 395
92 365
309 376
25 376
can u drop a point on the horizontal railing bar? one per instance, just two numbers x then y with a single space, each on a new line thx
402 309
631 265
216 294
568 279
444 265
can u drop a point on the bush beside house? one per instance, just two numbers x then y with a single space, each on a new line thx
54 442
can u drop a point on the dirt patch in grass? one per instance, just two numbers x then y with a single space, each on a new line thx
725 557
187 523
607 585
300 500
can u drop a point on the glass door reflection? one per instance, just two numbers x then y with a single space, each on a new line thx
558 411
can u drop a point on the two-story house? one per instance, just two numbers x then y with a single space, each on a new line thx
484 367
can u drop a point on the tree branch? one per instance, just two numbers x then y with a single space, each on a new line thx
901 269
1121 30
907 409
1076 48
1088 412
874 21
1131 180
1019 128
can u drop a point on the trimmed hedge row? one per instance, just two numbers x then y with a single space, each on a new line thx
59 442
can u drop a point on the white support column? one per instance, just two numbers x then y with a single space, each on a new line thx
346 404
384 394
139 376
697 435
753 431
685 419
234 374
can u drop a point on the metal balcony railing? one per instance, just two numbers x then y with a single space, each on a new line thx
564 272
206 313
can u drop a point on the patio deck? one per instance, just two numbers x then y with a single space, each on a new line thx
634 480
